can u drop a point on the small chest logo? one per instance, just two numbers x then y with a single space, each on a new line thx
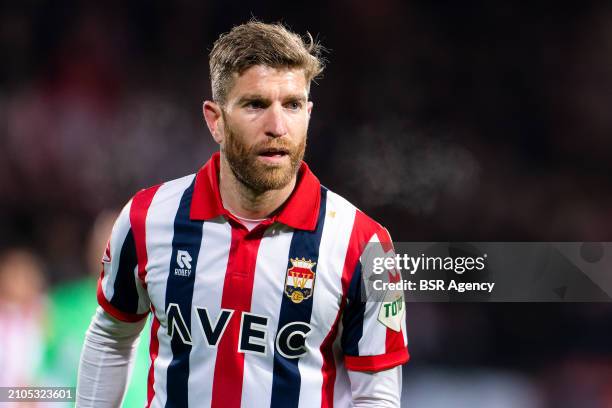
300 280
183 259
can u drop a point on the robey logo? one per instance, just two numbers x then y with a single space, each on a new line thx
290 340
183 259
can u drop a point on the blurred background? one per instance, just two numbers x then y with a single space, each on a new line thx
454 121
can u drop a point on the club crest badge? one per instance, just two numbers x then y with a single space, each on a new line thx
300 280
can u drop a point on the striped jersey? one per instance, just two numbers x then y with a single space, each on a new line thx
271 317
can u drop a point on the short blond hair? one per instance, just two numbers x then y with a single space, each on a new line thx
257 43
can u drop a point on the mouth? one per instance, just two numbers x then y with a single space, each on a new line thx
273 154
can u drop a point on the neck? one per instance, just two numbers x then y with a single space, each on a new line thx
243 201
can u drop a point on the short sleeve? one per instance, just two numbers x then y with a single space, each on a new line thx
374 326
120 292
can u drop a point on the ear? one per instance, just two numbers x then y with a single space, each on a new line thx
309 107
214 120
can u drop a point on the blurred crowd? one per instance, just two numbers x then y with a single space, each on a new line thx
452 121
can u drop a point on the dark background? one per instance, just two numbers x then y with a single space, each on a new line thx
446 121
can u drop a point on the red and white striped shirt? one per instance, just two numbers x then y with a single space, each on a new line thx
267 317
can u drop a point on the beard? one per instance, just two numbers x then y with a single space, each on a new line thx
254 173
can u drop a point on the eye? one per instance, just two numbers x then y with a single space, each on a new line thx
254 104
294 105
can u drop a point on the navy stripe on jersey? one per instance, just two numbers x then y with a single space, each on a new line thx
125 296
179 292
286 376
352 318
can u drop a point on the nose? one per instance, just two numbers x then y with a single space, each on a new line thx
275 125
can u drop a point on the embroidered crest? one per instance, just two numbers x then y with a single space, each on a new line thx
300 279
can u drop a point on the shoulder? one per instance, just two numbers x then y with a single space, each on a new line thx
166 190
363 227
155 197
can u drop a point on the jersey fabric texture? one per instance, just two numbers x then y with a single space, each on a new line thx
260 318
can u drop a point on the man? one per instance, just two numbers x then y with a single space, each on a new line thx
251 268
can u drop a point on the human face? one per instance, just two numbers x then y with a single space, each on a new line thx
264 125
